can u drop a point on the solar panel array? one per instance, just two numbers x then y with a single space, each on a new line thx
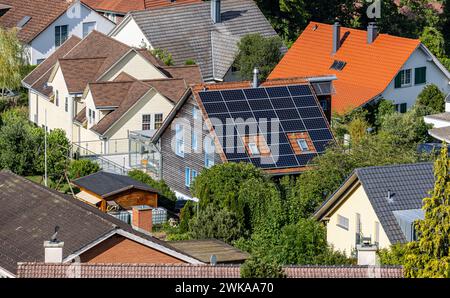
273 112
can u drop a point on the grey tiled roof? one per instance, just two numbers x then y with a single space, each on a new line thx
409 185
188 32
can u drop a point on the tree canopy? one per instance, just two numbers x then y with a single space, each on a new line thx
11 60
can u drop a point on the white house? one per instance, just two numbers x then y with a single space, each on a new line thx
44 25
369 65
440 123
99 91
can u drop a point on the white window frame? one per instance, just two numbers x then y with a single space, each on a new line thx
253 148
343 222
88 23
187 177
179 139
158 122
300 143
406 81
194 141
146 120
61 41
209 156
66 104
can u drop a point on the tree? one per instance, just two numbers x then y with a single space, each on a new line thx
433 98
58 155
11 60
394 256
258 268
258 51
163 55
433 39
446 24
81 168
357 129
215 223
430 255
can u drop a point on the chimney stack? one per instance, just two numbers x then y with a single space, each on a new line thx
367 254
216 14
336 36
372 32
53 252
142 219
255 83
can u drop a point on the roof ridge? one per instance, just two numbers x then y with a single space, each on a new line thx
393 166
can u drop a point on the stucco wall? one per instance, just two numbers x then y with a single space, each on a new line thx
356 202
131 34
409 94
44 44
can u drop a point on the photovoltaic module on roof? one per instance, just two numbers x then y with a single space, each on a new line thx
271 117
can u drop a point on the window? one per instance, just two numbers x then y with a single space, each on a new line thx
342 222
187 177
358 229
179 135
66 104
146 122
377 232
420 75
88 27
324 105
91 117
61 34
403 79
401 108
158 120
209 152
303 145
39 61
338 65
194 141
194 175
110 16
195 113
253 149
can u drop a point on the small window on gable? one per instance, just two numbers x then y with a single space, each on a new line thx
158 120
342 222
301 143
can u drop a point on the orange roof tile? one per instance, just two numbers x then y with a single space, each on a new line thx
369 70
125 6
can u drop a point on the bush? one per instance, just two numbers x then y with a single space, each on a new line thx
163 55
259 268
190 62
81 168
432 98
394 256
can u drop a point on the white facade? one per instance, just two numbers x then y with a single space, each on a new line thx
76 17
129 33
434 75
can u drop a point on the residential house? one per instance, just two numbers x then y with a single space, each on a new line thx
115 10
44 25
368 65
441 123
84 233
108 191
99 91
206 32
378 205
278 126
40 270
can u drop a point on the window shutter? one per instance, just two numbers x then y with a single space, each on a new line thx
398 81
420 75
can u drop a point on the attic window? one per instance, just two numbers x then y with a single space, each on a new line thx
338 65
23 22
256 145
301 143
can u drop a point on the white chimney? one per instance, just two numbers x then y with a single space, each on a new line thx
367 255
255 83
216 14
53 252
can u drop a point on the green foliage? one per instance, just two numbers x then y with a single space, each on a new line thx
81 168
57 154
215 223
259 268
258 51
433 39
163 55
190 62
395 256
167 197
433 98
430 255
186 214
10 60
241 189
357 129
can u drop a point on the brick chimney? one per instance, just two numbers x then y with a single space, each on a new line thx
142 219
53 252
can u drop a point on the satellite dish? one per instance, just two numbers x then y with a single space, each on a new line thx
213 260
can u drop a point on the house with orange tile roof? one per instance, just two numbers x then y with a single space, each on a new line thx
369 65
100 91
44 25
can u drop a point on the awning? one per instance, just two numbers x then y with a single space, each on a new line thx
88 198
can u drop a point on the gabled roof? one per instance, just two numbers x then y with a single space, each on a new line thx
79 72
188 32
31 212
107 184
369 70
408 184
125 6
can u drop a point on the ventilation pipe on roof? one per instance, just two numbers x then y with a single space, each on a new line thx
336 36
255 83
216 14
372 32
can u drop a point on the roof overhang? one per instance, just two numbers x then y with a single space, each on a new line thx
6 273
435 60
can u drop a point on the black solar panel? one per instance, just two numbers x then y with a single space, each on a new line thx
271 113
